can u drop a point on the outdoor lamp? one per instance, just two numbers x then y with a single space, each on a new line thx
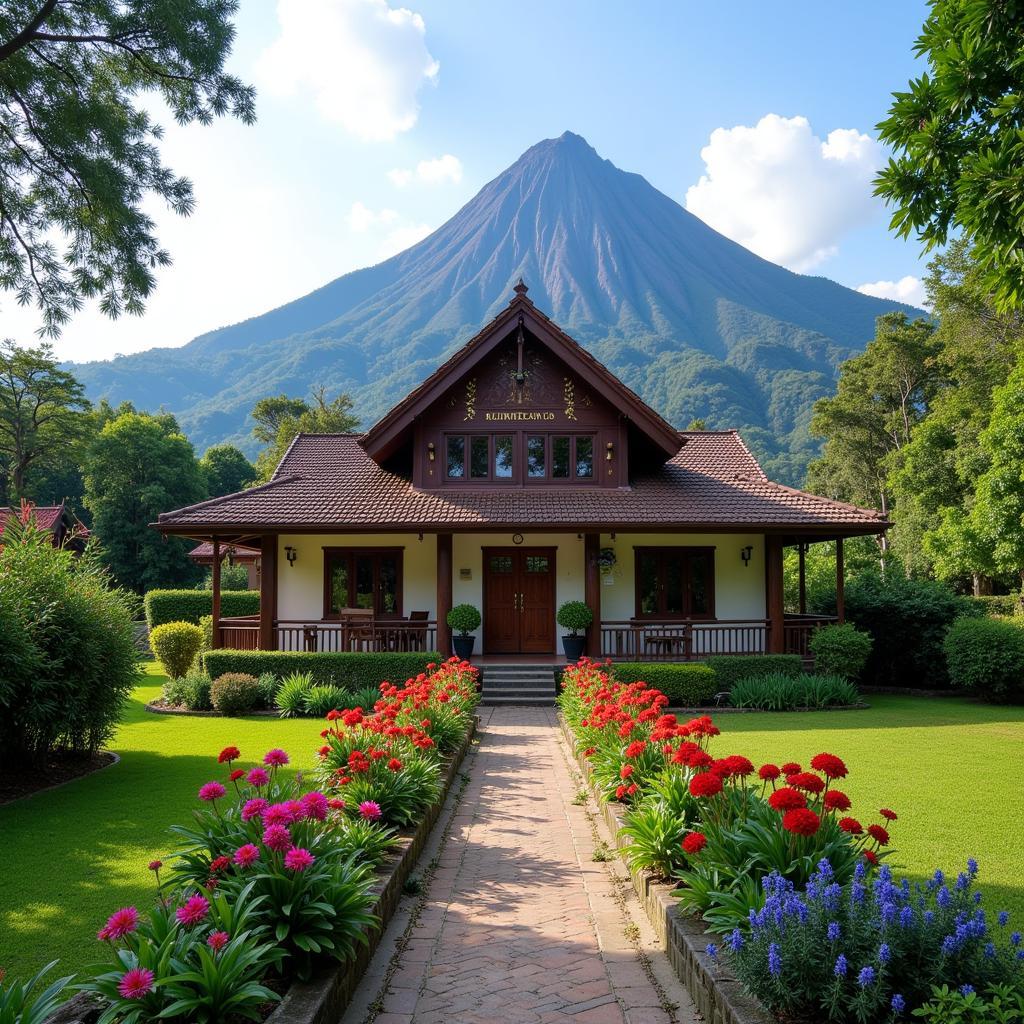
291 554
745 554
609 448
431 453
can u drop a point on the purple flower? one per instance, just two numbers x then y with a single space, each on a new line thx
774 960
712 950
841 966
966 990
898 1004
736 940
833 931
1003 918
866 976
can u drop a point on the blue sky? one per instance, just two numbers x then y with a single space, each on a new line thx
377 122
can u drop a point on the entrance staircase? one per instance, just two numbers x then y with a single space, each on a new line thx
518 684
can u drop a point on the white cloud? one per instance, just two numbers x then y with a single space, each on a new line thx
395 233
361 218
782 192
447 168
363 61
403 237
907 289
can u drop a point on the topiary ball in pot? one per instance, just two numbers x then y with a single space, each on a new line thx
574 616
464 618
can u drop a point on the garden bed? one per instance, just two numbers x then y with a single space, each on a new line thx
716 994
58 770
324 998
161 707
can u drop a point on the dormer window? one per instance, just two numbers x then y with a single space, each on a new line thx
495 458
479 457
560 457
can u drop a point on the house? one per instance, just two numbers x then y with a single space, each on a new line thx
519 475
57 520
236 554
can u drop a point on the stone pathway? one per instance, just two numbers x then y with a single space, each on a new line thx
518 922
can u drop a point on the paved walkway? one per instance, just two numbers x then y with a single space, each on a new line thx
519 923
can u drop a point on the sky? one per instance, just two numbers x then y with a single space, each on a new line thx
377 122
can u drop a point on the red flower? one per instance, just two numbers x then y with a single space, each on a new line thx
871 857
229 754
705 784
219 864
851 825
217 940
155 865
801 821
769 772
236 774
694 842
590 752
636 748
887 814
836 801
829 765
786 799
625 771
620 792
734 764
879 834
806 781
791 768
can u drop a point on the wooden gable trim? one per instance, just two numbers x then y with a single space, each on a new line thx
385 436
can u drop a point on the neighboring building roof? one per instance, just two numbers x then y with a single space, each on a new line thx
328 483
239 552
46 516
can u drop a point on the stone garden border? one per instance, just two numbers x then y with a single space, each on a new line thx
716 994
323 998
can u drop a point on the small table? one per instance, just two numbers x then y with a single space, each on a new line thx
666 643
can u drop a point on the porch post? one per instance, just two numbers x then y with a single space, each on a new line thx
774 594
268 592
444 593
802 550
840 583
592 590
215 610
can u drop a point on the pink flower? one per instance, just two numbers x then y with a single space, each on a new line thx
136 983
211 791
275 757
277 837
297 859
315 805
120 923
279 814
254 807
370 810
247 855
257 777
193 910
218 940
155 865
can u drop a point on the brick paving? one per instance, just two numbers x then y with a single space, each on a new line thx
519 923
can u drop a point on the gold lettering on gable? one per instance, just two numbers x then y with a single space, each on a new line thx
470 399
506 417
569 394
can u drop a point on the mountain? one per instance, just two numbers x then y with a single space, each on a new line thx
695 323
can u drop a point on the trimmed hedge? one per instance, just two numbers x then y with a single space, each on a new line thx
986 656
688 685
352 670
998 604
191 605
729 669
840 650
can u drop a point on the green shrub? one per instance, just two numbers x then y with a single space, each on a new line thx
206 625
730 668
998 604
324 697
464 618
269 685
352 670
232 577
235 693
68 660
175 645
688 685
364 698
908 620
986 656
574 616
781 692
290 699
840 650
191 605
31 1003
191 691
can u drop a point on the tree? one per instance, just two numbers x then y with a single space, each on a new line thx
41 413
290 416
959 150
78 151
226 470
138 467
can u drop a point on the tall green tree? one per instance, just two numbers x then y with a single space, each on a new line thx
80 154
42 411
958 163
279 419
138 467
226 470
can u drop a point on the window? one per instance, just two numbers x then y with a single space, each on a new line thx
503 457
456 457
535 452
570 457
479 457
366 578
675 583
585 458
492 457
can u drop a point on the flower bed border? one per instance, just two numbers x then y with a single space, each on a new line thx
323 999
716 994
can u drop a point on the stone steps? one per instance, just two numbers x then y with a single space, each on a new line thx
518 684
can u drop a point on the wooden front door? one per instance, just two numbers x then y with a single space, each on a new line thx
519 600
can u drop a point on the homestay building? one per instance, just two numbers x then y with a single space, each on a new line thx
520 475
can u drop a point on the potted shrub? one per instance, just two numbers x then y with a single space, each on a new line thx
464 618
574 616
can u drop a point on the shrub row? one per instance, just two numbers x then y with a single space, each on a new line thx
998 604
788 693
353 670
729 669
986 657
191 605
692 685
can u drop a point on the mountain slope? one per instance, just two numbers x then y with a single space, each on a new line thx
698 325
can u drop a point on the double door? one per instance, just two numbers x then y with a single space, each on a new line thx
519 600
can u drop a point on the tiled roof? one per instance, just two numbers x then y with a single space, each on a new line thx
46 516
240 552
328 481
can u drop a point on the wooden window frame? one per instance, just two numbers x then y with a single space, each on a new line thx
686 552
549 435
467 439
331 553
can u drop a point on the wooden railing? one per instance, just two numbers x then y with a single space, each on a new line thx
682 640
242 634
798 630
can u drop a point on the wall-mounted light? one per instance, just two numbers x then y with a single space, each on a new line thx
431 451
609 448
745 554
291 554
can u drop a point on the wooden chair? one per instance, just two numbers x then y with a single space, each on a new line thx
417 633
